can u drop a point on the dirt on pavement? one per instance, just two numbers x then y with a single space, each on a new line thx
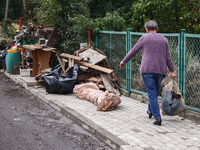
27 123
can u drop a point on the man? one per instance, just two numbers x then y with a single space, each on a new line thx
155 60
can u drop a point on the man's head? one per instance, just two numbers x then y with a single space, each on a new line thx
151 25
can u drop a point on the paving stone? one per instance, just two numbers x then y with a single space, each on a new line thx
128 123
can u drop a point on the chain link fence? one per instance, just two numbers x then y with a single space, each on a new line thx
114 46
137 81
184 50
192 71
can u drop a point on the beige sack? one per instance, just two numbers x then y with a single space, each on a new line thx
103 100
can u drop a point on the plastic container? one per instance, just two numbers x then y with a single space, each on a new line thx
13 59
13 50
29 40
25 72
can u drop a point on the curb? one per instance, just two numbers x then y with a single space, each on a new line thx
84 122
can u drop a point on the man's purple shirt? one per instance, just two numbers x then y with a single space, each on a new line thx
155 56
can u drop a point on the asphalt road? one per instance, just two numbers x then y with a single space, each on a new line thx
27 123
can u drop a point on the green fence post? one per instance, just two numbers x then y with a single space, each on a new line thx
180 62
182 68
128 66
110 50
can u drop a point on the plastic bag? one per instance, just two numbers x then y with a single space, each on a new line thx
103 100
3 59
55 83
172 102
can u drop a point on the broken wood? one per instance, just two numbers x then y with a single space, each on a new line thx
84 76
66 56
92 56
70 64
103 69
95 79
108 85
81 50
83 68
63 69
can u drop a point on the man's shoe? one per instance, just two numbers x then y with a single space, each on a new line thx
158 122
150 114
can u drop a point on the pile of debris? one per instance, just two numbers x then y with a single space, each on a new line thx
88 75
94 67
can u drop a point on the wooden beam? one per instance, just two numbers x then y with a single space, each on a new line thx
84 76
32 47
106 70
83 68
62 67
81 50
107 84
66 56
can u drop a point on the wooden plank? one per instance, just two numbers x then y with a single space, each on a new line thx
83 68
62 67
107 84
32 47
35 63
49 49
94 56
66 56
106 70
43 59
95 79
81 50
84 76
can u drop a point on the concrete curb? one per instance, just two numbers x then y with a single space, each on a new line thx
84 122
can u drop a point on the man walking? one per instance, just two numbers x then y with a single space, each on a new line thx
155 60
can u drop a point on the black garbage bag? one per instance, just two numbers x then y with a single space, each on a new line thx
3 59
172 102
56 83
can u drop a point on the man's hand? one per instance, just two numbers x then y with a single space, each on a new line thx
173 75
122 64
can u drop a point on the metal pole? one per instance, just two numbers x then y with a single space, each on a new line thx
89 35
182 67
128 69
6 11
96 43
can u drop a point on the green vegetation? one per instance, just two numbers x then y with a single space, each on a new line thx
15 10
73 17
142 101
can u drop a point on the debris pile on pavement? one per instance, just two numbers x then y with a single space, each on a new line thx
34 49
94 67
95 81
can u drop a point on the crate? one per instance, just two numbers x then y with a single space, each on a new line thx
25 72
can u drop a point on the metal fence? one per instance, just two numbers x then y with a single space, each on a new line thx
185 52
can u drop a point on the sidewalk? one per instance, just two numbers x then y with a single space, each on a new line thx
125 128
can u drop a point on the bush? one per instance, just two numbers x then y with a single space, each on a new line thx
5 41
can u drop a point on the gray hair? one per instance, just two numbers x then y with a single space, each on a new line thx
151 25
